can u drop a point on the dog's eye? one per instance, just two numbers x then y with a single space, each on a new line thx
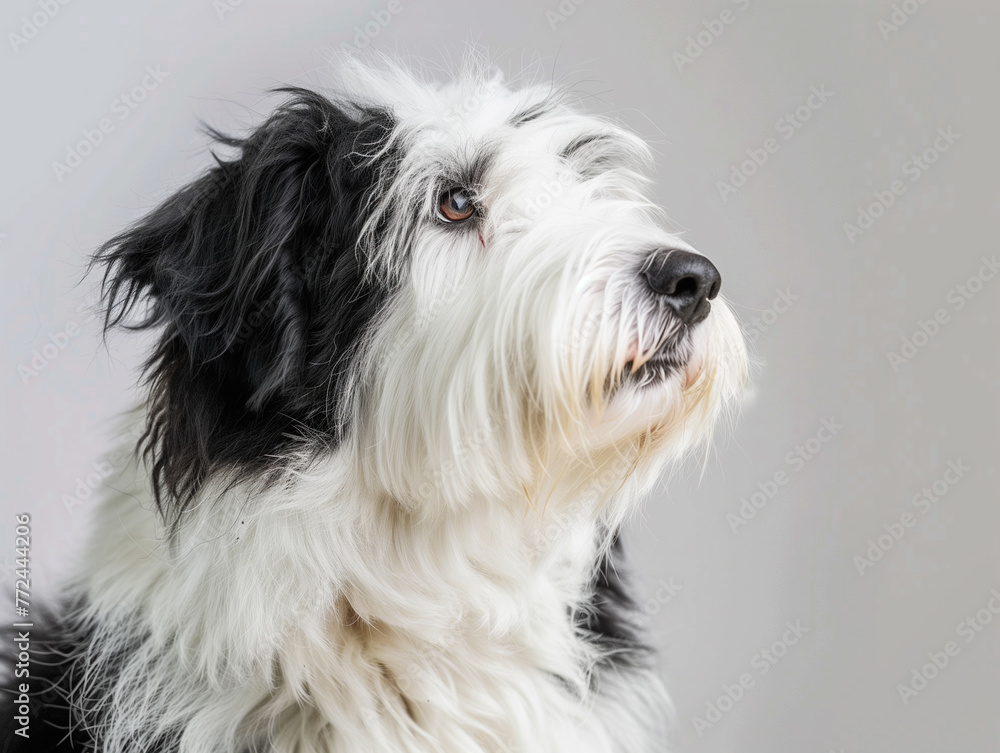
456 205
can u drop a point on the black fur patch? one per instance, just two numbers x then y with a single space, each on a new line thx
256 275
611 617
53 648
533 112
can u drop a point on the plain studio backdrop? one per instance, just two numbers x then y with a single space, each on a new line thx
822 581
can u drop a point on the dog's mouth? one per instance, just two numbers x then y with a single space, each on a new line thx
670 358
656 370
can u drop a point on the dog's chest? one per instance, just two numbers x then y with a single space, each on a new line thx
472 645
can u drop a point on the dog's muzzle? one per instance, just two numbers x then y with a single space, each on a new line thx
685 281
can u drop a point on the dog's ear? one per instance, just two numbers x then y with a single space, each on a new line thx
242 270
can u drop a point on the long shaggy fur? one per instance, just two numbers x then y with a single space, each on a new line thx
386 458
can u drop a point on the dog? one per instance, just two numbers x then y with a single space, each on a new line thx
420 350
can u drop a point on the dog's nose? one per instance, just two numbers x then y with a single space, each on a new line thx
686 281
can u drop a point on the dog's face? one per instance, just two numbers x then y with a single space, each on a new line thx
463 286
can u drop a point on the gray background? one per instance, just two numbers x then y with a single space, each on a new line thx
825 357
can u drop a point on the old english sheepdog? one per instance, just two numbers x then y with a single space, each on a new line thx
420 350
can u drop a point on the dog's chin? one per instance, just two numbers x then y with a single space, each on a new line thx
671 362
659 392
656 371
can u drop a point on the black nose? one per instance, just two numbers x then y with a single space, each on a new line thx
686 281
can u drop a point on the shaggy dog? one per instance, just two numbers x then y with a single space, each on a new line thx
420 350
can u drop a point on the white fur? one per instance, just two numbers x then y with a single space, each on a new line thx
411 591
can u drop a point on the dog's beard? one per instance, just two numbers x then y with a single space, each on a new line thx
488 373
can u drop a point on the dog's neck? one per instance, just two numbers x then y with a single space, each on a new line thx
352 610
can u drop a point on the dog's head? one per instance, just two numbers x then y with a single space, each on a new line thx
464 286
